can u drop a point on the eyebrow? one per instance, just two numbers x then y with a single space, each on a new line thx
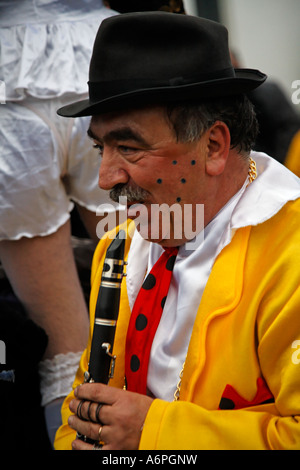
123 134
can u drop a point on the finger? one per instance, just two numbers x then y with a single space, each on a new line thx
98 393
86 428
81 445
86 410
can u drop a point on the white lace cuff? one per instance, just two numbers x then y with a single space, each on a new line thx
57 376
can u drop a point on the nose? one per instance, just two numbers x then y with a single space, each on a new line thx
111 172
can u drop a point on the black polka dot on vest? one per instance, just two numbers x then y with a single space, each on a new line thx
141 322
170 263
163 301
134 363
149 282
226 404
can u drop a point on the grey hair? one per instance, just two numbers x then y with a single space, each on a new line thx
191 120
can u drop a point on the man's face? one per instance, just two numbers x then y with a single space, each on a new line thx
141 159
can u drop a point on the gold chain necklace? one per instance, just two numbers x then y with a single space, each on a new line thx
252 174
177 391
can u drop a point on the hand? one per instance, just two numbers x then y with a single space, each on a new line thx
119 420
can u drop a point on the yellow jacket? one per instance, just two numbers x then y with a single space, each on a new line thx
244 347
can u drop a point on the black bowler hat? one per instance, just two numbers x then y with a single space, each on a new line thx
159 57
127 6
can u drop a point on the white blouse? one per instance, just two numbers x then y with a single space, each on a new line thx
46 46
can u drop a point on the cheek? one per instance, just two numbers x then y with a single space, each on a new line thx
175 179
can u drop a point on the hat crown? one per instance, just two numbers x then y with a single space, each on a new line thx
158 46
158 57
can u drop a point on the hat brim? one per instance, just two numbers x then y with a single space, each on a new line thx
245 80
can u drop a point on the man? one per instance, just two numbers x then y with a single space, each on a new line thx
211 360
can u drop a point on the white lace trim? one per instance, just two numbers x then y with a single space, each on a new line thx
57 376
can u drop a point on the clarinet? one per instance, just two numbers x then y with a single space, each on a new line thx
102 362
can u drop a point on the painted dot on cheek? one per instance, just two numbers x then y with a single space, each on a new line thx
183 180
174 162
193 162
178 199
159 181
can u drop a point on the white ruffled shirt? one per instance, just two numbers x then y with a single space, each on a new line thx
251 205
46 46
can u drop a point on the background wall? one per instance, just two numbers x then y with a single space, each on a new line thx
191 7
266 35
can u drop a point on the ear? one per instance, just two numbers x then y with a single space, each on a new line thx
218 146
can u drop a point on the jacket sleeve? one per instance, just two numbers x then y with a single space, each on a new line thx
201 429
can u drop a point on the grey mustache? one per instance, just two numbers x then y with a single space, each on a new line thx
136 194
